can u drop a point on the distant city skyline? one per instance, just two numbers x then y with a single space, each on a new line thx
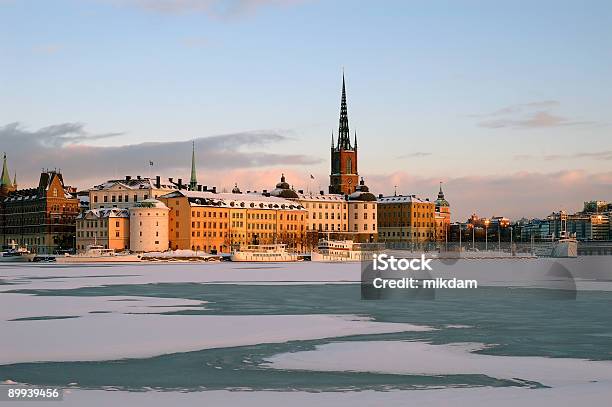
508 107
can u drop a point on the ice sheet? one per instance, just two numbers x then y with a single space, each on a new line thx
419 358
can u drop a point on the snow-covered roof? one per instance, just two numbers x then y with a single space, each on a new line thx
104 213
311 196
150 203
401 199
231 200
134 184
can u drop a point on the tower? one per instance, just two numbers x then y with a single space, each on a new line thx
6 186
193 181
344 176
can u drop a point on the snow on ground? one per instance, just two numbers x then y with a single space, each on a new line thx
15 306
52 276
117 336
419 358
591 394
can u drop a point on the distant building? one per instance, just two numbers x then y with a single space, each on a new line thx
109 228
6 186
42 218
149 225
406 219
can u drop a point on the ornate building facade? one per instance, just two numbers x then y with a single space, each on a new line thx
344 177
42 218
442 217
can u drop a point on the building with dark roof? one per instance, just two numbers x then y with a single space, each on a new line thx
41 218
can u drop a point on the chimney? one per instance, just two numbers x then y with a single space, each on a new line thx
158 181
265 191
137 176
128 177
171 180
199 188
380 196
300 191
180 183
321 192
214 190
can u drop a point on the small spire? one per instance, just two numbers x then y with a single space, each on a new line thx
193 182
5 178
15 180
332 144
283 177
355 138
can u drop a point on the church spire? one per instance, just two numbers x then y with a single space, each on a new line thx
5 178
332 144
355 139
15 180
193 181
440 194
344 141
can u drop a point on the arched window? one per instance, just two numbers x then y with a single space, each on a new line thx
349 166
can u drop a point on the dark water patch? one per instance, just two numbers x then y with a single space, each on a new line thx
44 318
230 368
519 321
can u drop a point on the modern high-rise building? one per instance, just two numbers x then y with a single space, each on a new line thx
344 177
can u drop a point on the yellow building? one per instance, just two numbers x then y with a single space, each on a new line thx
109 228
351 217
406 219
219 222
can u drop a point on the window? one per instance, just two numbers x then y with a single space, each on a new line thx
349 166
117 224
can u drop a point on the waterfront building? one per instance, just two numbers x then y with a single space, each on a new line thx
149 224
126 192
109 228
334 216
584 226
42 218
344 176
442 217
212 222
406 219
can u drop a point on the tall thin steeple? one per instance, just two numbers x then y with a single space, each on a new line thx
355 139
344 140
5 178
15 180
440 194
332 144
193 181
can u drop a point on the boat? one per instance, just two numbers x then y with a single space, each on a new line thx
344 250
263 253
98 254
16 254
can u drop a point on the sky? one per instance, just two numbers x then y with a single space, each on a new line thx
506 103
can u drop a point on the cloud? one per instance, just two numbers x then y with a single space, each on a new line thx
605 155
213 8
517 195
417 154
531 115
65 146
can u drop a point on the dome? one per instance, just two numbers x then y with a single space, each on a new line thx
441 201
282 184
283 190
150 203
362 193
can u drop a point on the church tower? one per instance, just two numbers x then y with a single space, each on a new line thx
6 186
344 177
193 181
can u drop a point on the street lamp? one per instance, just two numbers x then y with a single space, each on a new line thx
486 234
